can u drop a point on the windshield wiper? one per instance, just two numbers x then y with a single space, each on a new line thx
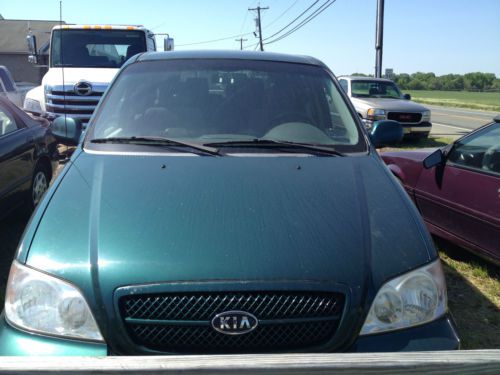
157 141
271 143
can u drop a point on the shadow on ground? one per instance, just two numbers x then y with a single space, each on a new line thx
422 143
476 314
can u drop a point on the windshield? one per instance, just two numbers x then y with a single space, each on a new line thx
375 89
95 48
217 101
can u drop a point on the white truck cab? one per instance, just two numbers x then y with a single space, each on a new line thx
83 60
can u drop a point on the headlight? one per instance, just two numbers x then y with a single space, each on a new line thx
42 303
426 116
415 298
31 105
375 114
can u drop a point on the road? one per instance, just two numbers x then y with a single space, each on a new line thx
454 122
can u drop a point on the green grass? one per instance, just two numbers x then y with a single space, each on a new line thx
488 101
418 143
473 297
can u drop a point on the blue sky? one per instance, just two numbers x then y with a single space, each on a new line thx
442 36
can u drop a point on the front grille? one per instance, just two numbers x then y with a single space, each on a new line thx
181 323
404 117
61 100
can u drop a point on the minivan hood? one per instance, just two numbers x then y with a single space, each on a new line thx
118 220
396 105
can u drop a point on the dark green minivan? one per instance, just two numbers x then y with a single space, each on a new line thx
225 202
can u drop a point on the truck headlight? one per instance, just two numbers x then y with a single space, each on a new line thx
33 106
41 303
375 114
426 116
411 299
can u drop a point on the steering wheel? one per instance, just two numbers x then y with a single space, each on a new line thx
489 161
292 116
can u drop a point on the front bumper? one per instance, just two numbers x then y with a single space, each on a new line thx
438 335
14 342
422 129
441 334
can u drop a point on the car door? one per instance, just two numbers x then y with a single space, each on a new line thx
462 197
16 164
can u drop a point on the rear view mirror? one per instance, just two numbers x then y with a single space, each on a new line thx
33 56
67 130
436 158
407 96
386 132
168 44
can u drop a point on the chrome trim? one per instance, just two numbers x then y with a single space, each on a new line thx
74 107
83 88
97 87
68 99
89 98
232 319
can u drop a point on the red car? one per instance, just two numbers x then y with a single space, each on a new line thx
457 188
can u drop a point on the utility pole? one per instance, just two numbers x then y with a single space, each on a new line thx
379 38
259 25
241 40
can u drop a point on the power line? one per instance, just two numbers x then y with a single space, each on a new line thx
273 22
214 40
289 24
246 16
316 13
282 14
259 24
241 40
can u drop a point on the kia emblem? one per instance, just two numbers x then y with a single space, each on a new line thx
234 322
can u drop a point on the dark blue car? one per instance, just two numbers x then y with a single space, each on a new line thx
27 158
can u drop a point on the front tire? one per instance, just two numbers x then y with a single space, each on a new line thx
39 185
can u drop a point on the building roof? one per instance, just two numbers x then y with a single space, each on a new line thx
14 34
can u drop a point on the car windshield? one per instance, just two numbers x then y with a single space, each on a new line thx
375 89
223 101
95 48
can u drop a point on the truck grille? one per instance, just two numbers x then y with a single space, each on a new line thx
405 117
63 99
181 323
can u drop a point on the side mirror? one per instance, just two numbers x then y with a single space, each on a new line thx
436 158
386 132
67 130
407 96
168 44
33 56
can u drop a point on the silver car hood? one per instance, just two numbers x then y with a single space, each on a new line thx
390 105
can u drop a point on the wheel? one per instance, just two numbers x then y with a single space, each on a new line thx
39 185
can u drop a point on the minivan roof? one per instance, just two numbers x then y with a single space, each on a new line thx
364 78
228 54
